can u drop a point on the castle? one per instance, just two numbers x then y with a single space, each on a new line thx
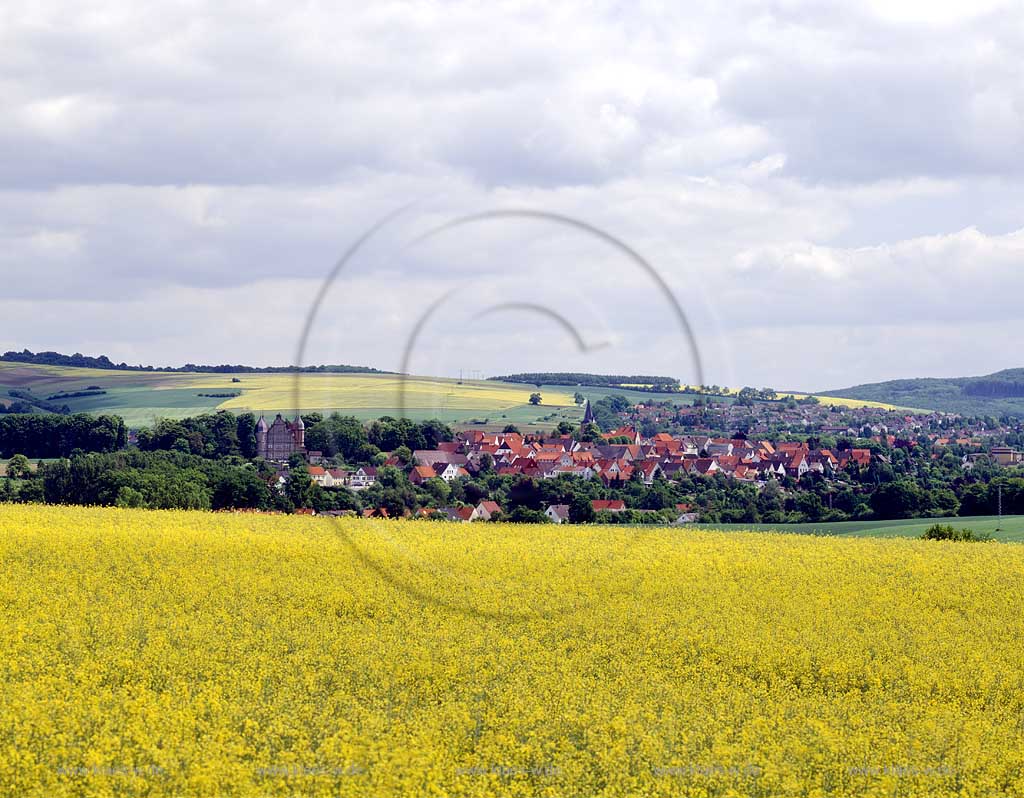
280 440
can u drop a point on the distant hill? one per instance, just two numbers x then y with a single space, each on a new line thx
78 360
996 394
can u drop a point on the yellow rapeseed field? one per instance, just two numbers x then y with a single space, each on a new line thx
842 401
386 391
173 653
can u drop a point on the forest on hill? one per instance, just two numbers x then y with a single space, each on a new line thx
633 382
998 394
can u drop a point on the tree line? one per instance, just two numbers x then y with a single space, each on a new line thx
79 360
46 436
630 382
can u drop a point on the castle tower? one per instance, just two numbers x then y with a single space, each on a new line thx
299 431
261 437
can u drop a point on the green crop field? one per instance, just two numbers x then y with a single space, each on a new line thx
140 397
1010 529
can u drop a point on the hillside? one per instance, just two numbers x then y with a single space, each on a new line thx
996 394
141 396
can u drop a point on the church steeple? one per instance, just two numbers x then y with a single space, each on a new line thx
588 415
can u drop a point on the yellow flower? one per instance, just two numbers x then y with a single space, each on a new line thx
175 653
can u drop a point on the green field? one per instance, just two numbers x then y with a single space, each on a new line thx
1010 529
140 396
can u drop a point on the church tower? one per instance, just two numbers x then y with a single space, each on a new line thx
588 415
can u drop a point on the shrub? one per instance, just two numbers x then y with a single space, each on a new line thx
947 532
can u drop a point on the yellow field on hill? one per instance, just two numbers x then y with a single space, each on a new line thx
843 402
140 396
384 391
173 653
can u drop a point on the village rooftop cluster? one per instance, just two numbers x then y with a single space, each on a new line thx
625 454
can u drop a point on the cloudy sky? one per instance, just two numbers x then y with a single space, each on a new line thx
831 195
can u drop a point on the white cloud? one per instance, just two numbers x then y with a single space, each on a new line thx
788 166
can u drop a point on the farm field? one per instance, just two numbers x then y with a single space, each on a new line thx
140 397
1010 529
234 655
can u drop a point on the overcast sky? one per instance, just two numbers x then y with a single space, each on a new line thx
832 195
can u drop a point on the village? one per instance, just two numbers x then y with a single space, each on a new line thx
810 439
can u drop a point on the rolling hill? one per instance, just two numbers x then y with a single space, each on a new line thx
1001 393
142 396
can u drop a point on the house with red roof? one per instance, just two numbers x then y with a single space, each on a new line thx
649 469
422 473
485 511
460 514
318 474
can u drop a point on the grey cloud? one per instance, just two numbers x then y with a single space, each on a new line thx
852 99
